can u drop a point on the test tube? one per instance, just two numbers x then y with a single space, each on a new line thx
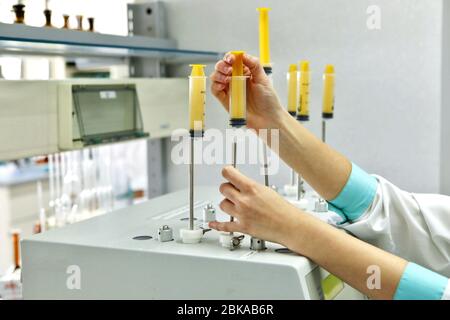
58 178
197 101
328 97
41 208
16 247
51 182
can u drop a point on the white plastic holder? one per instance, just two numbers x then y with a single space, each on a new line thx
301 204
290 190
226 240
191 236
231 241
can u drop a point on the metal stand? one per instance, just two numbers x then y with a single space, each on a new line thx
324 131
191 187
292 177
321 205
266 166
191 235
300 190
255 243
234 162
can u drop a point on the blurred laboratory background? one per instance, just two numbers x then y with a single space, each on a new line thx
391 110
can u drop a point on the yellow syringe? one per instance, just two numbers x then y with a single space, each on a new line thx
197 100
238 88
264 37
292 79
328 92
305 80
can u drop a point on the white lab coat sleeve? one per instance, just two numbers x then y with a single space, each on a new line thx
446 295
415 227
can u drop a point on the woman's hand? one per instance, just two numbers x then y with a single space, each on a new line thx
263 106
259 211
262 213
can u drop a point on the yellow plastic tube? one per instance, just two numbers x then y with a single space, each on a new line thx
238 88
264 37
292 79
197 100
305 80
328 92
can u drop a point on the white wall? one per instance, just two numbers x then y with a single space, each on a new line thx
445 116
388 91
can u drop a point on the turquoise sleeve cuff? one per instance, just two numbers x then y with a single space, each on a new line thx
419 283
357 195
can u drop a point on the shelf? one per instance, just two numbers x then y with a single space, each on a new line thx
21 39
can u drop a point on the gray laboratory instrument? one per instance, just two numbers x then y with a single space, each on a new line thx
124 255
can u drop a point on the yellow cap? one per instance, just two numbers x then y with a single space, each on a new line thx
292 67
238 64
329 68
263 9
264 36
198 70
304 66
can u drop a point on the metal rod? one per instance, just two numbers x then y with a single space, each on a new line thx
259 243
266 166
324 131
292 177
299 187
191 187
234 156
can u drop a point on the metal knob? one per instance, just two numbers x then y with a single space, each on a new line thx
257 244
321 206
165 234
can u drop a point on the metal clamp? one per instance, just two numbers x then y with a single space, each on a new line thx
257 244
235 242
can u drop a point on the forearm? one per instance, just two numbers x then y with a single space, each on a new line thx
345 256
326 170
